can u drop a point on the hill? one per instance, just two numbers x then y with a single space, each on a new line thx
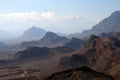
49 40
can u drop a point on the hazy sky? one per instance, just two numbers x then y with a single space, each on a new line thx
67 16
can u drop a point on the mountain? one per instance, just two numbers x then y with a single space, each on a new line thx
109 24
76 35
2 44
82 73
61 34
111 34
27 55
74 43
33 52
52 39
33 33
49 40
32 55
101 54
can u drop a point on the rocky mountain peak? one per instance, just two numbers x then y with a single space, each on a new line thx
92 38
116 13
50 35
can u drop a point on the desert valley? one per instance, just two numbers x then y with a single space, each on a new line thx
42 55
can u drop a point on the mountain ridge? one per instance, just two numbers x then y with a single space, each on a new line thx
109 24
49 40
82 73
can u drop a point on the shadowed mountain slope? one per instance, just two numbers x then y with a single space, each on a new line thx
82 73
74 43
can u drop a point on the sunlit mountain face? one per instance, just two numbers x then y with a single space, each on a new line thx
59 40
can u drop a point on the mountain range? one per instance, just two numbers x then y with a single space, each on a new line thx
49 40
98 49
109 24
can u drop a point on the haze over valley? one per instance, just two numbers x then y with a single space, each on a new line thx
64 40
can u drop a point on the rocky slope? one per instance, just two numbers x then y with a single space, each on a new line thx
101 54
82 73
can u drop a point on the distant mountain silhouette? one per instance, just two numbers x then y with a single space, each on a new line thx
109 24
101 54
49 40
33 33
82 73
2 44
